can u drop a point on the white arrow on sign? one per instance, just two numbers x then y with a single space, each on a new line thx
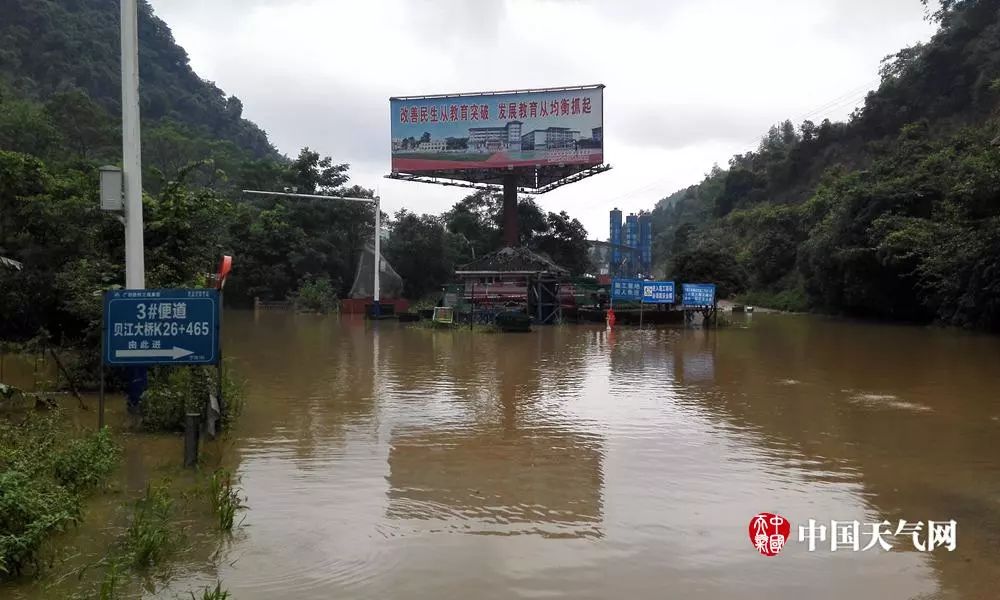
173 353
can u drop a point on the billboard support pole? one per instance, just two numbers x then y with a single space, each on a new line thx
510 210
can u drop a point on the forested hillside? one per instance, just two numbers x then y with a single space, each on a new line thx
893 214
57 46
60 120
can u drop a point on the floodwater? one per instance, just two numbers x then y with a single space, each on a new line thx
386 461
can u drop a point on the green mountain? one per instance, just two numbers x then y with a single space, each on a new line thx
893 214
49 47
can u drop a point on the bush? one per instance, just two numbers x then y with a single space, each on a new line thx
42 479
173 392
85 462
317 294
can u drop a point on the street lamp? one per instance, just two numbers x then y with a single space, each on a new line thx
376 306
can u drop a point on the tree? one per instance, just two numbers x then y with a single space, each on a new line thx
310 174
565 242
87 128
422 252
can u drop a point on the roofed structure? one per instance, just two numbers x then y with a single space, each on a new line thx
512 260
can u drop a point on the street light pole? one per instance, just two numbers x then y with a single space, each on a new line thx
135 264
376 305
376 287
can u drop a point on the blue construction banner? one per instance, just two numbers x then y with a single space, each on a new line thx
626 289
161 327
698 294
658 292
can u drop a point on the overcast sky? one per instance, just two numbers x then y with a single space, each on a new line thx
689 82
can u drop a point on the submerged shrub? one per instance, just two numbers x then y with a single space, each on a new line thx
44 471
173 392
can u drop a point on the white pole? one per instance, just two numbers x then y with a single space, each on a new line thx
377 201
135 266
378 252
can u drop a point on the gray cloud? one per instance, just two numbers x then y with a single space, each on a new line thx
673 127
690 82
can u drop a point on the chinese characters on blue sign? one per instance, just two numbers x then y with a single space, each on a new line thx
156 327
658 292
626 289
699 294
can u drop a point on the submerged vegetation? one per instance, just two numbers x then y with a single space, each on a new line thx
173 392
43 480
151 535
226 499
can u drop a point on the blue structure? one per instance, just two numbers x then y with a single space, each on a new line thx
161 327
646 243
616 241
658 292
636 234
626 289
698 294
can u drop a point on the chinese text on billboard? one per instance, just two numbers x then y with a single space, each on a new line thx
626 289
658 292
535 128
699 294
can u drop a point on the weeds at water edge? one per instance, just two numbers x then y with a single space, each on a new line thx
149 537
212 594
226 499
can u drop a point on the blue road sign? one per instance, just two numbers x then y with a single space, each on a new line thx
161 327
658 292
626 289
698 294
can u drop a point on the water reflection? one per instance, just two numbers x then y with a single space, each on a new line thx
537 481
605 463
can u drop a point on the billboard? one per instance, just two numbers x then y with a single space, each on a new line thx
658 292
498 130
698 294
626 289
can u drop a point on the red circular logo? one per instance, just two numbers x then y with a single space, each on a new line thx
769 532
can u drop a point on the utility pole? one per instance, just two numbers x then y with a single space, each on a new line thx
135 264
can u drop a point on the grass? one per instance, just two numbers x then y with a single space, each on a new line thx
149 537
226 499
212 594
789 300
111 583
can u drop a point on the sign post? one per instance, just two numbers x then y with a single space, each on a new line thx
143 328
225 265
700 296
655 292
161 327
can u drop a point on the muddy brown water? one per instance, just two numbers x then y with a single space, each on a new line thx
389 461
